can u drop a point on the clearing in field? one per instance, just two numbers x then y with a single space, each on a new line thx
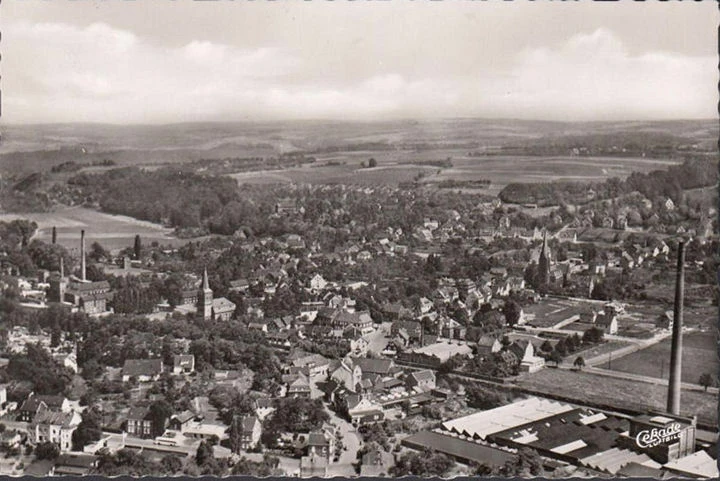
618 393
699 355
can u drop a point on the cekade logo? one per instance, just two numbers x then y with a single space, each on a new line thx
650 438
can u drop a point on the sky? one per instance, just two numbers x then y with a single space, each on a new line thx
164 61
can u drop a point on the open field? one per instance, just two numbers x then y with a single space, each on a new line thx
404 166
503 170
619 393
699 356
389 174
113 232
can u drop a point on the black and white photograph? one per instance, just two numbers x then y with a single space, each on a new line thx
360 238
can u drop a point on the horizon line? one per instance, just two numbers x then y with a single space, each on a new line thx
4 123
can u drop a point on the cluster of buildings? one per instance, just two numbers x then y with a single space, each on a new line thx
609 444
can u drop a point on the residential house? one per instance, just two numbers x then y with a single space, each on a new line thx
144 370
451 329
222 309
139 422
348 374
183 364
180 421
251 432
487 346
239 285
279 339
361 410
380 367
262 325
607 321
320 444
36 403
55 427
317 283
358 344
413 330
316 364
298 386
423 380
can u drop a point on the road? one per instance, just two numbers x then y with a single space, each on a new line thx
351 442
378 339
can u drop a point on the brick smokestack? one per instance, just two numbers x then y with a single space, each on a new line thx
82 255
673 400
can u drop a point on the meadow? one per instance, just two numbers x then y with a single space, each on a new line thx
113 232
699 356
618 393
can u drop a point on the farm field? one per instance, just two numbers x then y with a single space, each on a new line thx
619 393
699 356
404 166
114 232
388 174
503 170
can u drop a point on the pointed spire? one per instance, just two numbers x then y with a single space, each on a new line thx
205 284
543 251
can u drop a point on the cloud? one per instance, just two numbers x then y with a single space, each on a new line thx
104 74
592 76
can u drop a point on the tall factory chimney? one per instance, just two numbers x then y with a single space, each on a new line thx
673 400
82 255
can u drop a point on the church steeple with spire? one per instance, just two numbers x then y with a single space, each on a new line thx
205 299
544 263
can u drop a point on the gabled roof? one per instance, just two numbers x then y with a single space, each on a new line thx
54 418
222 304
424 375
142 367
317 439
183 360
375 366
248 423
138 412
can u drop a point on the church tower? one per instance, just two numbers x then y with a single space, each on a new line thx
205 298
544 263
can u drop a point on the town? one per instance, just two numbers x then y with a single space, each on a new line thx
354 330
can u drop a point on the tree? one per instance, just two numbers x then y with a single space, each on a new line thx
526 464
88 430
98 252
172 464
546 346
579 363
160 412
47 450
204 454
706 380
512 311
137 247
372 162
555 357
235 434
